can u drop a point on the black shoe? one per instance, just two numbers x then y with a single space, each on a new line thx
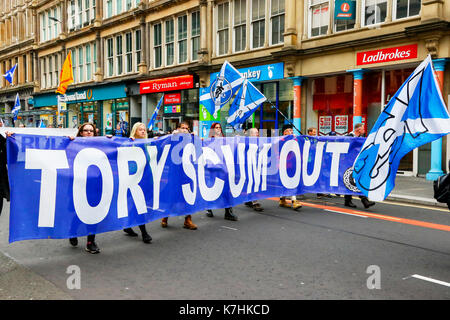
249 204
146 238
350 204
91 247
209 213
229 215
367 203
257 207
130 232
73 241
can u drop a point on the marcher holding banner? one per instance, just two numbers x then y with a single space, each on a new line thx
139 131
255 205
87 130
216 132
182 127
4 184
296 204
357 132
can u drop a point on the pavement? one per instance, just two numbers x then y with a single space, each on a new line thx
19 283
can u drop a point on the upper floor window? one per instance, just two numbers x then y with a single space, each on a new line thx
50 24
122 53
277 21
258 28
81 13
157 45
374 11
195 35
222 28
240 25
84 62
318 17
182 39
406 8
115 7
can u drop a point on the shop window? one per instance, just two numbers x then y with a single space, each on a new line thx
277 21
374 11
406 8
222 28
240 19
258 23
318 17
195 35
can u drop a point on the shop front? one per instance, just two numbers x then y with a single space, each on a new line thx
106 106
269 79
180 102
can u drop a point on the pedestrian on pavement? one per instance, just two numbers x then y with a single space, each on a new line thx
86 130
254 132
296 204
216 132
4 183
357 132
182 127
139 131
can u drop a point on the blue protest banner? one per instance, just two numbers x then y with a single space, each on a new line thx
62 188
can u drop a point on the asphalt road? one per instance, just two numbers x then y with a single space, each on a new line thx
323 251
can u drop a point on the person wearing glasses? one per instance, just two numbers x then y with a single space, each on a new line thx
216 132
182 127
139 131
86 130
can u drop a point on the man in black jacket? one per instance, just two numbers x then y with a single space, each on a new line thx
4 183
357 132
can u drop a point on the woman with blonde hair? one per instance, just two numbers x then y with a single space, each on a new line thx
139 131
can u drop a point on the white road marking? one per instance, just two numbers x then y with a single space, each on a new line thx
229 228
443 283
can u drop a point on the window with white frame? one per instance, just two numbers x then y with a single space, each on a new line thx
222 28
182 39
50 69
374 11
258 21
138 47
115 7
240 25
83 66
157 45
50 24
169 39
319 11
121 53
276 21
195 35
406 8
81 13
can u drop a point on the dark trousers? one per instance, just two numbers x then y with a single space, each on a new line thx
1 205
348 197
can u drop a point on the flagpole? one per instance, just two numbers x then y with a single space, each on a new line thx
290 122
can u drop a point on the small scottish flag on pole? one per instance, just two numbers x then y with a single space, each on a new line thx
222 89
155 113
16 108
9 75
248 99
414 116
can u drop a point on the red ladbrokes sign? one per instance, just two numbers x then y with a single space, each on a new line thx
387 55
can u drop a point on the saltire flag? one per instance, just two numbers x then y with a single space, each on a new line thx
17 107
155 113
222 89
10 74
66 76
414 116
247 100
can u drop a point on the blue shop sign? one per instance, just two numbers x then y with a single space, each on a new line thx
116 91
274 71
345 10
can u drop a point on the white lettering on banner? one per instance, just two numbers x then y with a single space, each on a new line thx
130 182
214 192
309 180
380 56
157 170
288 147
83 160
257 170
49 161
236 189
189 170
336 148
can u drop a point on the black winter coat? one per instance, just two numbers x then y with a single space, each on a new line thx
4 183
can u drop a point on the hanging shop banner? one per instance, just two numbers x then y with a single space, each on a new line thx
167 84
341 124
344 10
62 188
